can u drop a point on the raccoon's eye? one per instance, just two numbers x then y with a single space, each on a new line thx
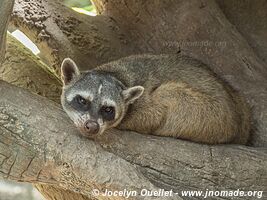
108 112
80 103
108 109
81 100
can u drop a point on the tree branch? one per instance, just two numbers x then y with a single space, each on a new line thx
60 32
40 145
26 70
6 7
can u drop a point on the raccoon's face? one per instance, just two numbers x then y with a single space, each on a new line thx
94 101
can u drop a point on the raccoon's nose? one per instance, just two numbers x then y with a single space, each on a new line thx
92 127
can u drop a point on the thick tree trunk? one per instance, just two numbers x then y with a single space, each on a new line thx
38 143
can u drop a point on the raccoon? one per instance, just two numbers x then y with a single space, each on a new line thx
163 95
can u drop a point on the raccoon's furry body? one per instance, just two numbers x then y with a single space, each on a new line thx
182 98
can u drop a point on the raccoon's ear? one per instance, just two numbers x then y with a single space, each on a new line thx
133 93
69 71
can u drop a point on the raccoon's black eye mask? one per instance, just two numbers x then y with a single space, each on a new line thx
80 103
107 112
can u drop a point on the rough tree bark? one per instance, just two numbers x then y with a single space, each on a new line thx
5 8
38 143
61 32
27 71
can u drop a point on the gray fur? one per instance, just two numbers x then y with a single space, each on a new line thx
181 98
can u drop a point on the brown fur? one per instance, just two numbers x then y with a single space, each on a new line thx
182 99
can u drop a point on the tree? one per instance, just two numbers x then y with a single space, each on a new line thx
38 143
